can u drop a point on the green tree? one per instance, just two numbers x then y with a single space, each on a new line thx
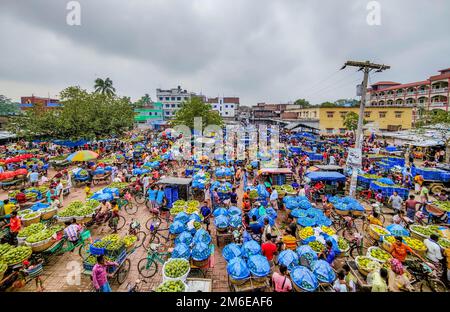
7 107
328 104
104 86
351 121
143 101
302 103
83 115
195 107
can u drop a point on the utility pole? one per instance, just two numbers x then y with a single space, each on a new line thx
366 67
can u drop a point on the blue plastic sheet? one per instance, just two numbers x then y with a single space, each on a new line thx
39 206
386 181
251 248
201 251
234 211
114 191
184 238
258 265
298 213
304 278
181 251
220 212
237 269
323 271
102 196
177 227
304 204
221 222
182 217
272 213
202 236
235 221
397 230
306 255
253 212
231 251
195 217
306 221
289 258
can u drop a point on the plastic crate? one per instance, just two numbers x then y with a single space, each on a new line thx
96 251
116 253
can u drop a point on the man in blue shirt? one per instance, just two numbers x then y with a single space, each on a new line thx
255 226
34 178
206 213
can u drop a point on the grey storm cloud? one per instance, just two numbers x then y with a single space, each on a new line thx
260 50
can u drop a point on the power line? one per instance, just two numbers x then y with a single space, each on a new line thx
339 84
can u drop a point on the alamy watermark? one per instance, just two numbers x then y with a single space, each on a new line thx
73 17
374 16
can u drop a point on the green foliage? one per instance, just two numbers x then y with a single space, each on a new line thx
302 103
328 104
143 101
195 107
351 121
435 116
104 86
82 115
7 107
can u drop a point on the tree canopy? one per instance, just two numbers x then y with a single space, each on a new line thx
328 104
195 107
302 103
143 101
104 86
83 115
8 107
351 121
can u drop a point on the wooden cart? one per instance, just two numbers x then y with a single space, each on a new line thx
249 285
361 280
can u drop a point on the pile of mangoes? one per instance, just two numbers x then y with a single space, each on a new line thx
4 248
176 268
328 230
17 255
171 286
414 243
342 244
32 215
317 246
129 240
306 232
39 236
380 254
31 229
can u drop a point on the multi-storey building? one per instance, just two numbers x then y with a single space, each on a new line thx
269 111
172 99
432 93
330 120
40 103
145 116
226 106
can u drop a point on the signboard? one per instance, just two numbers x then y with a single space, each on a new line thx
354 158
359 90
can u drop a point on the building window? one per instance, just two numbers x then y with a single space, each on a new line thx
330 115
226 113
226 106
398 114
172 98
330 130
173 105
167 105
179 98
367 114
382 114
179 105
342 130
167 113
343 114
161 98
231 106
167 98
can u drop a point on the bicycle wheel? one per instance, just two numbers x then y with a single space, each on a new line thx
83 251
141 237
123 271
152 239
147 269
154 220
120 223
130 208
433 285
139 198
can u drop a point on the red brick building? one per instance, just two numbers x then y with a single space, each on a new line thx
40 103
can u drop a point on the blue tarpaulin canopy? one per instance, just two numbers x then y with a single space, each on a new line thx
326 176
70 143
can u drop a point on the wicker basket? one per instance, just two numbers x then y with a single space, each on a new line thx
357 213
342 212
417 235
238 282
386 246
374 234
42 245
200 263
28 222
49 214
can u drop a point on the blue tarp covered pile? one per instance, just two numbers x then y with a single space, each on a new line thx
330 176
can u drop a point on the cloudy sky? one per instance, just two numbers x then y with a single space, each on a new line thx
259 50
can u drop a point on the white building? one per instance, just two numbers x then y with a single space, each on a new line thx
226 106
172 99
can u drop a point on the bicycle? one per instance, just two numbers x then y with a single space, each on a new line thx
155 232
135 229
136 287
348 226
110 220
127 205
424 275
138 194
148 266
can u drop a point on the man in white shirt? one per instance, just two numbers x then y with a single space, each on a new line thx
396 202
302 191
433 249
274 198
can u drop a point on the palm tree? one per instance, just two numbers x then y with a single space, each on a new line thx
104 86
